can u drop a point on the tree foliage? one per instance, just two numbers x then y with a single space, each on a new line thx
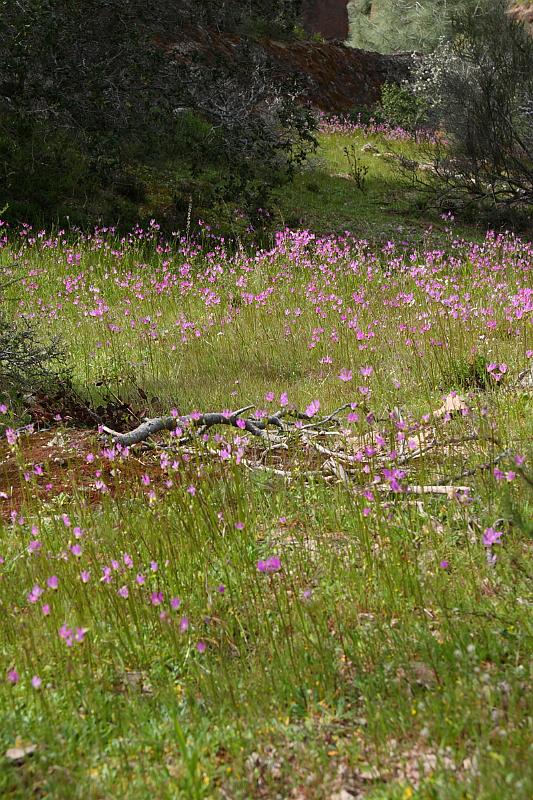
89 92
402 25
479 87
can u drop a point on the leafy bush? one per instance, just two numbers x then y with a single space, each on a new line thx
90 96
26 362
399 107
479 87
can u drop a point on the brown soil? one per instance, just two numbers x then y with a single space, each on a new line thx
62 455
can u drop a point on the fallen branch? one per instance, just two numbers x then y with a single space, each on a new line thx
467 473
449 491
338 464
329 418
257 426
205 421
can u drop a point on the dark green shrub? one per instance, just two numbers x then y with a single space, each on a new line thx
27 364
90 96
466 373
400 107
479 87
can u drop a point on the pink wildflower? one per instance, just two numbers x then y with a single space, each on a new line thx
271 564
312 408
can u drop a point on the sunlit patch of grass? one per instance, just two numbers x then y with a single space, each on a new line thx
325 198
178 624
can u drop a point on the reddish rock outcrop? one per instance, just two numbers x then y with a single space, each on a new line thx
335 78
338 78
329 18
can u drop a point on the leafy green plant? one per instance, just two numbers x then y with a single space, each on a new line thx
70 131
27 363
357 168
479 87
466 373
398 106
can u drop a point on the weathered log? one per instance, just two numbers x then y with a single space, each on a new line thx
151 426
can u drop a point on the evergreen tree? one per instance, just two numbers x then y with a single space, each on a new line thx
402 25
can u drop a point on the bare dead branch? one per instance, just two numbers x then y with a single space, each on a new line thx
205 421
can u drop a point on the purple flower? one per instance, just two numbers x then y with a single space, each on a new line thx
13 676
271 564
52 582
35 594
123 591
36 682
491 537
11 436
184 624
444 564
80 634
156 598
175 603
65 633
312 408
201 647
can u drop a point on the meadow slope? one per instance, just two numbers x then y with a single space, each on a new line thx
339 608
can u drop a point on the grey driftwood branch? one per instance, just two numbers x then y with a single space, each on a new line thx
201 422
151 426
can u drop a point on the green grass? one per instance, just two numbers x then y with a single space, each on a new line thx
326 199
387 658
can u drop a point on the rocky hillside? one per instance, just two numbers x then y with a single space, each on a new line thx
335 78
329 18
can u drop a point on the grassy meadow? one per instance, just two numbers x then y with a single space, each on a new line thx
338 608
